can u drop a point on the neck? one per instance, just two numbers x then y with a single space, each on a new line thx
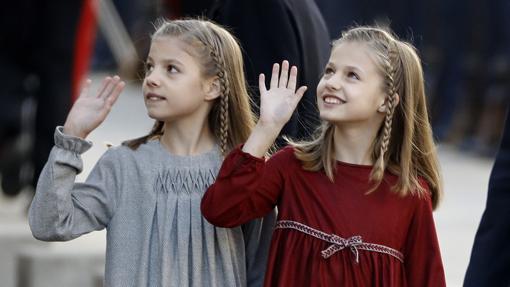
187 137
353 142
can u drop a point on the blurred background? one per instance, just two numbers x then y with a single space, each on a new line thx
49 47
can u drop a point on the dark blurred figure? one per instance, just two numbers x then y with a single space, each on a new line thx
490 257
404 17
453 40
271 31
136 17
473 84
495 70
45 46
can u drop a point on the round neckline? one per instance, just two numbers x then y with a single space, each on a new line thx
211 153
354 165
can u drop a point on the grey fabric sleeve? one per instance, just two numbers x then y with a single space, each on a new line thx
62 209
258 234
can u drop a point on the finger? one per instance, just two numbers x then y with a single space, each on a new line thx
86 88
300 92
293 78
274 76
103 87
262 84
284 77
109 89
115 94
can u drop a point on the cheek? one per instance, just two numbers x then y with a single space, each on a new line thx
320 87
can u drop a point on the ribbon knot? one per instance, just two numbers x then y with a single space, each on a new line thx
339 243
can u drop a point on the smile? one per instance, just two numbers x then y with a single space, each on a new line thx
333 100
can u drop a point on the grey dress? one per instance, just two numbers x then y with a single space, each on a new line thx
149 202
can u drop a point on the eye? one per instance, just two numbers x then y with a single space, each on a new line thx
353 75
148 67
329 71
171 69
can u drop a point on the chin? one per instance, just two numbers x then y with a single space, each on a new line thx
157 116
327 116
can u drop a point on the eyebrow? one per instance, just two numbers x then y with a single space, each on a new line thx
168 61
331 64
354 68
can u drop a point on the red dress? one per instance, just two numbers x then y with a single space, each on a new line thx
329 234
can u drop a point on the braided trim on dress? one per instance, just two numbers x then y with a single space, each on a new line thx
354 243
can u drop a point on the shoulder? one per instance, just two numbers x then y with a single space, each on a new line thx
123 153
284 155
422 200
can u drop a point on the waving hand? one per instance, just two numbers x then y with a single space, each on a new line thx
276 107
89 111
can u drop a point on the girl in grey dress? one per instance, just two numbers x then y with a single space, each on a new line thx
147 192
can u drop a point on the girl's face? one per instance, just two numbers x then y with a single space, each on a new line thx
174 87
350 91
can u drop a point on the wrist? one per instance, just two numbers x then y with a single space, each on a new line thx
71 131
261 139
269 128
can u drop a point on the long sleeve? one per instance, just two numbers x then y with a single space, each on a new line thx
423 264
490 257
246 188
62 209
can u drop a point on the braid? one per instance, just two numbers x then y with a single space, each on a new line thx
224 95
390 64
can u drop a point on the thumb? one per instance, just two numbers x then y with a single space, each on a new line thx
300 92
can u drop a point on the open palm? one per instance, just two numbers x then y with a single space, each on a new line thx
89 111
279 102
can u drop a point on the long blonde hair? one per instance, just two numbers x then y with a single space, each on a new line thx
404 144
219 53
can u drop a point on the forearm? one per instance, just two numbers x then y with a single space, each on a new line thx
244 190
62 209
261 139
52 204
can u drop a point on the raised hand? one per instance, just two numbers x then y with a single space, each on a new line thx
276 107
279 102
89 111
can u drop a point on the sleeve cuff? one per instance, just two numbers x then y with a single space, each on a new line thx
238 152
71 143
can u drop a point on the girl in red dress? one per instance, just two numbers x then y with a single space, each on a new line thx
355 203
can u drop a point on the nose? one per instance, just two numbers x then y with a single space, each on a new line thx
152 78
333 83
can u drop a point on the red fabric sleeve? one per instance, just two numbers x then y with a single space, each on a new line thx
423 264
247 187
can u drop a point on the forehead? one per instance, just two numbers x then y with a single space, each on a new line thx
354 54
170 47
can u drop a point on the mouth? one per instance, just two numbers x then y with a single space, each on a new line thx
332 100
154 97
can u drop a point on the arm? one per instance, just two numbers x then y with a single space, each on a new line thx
61 209
423 265
247 187
490 257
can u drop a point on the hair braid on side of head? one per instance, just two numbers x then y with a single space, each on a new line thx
390 109
224 94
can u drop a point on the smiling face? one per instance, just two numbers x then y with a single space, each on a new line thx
351 90
174 87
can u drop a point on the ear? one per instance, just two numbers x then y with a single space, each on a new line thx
384 104
212 89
